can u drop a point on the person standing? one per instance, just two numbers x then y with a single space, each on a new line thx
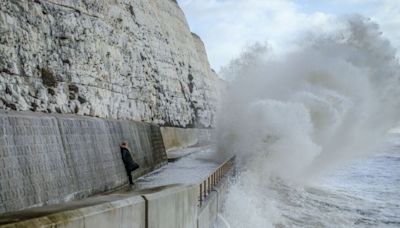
129 164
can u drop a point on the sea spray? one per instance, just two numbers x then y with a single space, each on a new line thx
221 222
289 119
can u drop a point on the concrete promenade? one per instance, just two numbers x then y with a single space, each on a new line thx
166 197
194 165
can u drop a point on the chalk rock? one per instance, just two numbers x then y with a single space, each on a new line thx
122 59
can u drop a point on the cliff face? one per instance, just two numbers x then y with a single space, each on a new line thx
121 59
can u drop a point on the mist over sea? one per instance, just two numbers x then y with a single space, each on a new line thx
310 132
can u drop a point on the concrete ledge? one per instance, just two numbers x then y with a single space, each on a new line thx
174 207
111 211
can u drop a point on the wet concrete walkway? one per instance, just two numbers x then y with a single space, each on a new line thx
196 165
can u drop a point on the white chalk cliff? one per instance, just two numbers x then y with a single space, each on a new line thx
120 59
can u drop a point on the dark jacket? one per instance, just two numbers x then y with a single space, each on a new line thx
130 165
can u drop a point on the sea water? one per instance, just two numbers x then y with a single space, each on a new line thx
361 193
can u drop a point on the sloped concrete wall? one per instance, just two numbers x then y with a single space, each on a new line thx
176 138
33 166
47 159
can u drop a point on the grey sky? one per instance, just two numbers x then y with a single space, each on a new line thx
227 26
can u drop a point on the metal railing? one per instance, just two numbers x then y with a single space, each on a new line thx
208 184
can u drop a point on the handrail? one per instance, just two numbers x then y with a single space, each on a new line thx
209 183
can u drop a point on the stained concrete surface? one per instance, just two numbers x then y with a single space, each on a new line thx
49 159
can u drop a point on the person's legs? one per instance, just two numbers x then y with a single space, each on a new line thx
130 177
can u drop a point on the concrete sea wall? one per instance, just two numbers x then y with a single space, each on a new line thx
172 207
47 159
102 211
207 214
162 207
177 138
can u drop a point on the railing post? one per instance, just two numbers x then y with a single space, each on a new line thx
214 179
204 189
207 185
201 197
209 190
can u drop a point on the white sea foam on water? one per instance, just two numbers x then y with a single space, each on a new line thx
290 120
